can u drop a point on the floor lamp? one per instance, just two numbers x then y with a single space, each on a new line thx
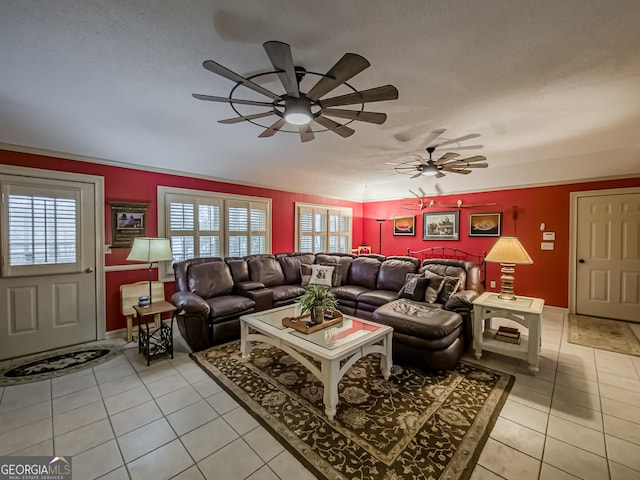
508 252
150 250
380 221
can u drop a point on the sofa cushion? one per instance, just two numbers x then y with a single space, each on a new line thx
349 292
414 287
418 319
210 279
376 298
364 272
286 293
229 305
434 286
450 285
393 274
291 264
266 269
321 275
344 260
239 269
305 274
452 268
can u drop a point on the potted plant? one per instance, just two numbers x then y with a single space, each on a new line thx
317 300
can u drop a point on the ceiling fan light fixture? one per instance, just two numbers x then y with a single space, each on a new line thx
297 111
430 171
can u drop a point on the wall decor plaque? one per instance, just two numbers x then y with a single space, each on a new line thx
127 222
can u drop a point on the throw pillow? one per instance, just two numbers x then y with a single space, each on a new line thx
336 278
449 287
305 274
321 275
433 289
414 288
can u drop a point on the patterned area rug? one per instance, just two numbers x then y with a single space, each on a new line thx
55 363
604 333
415 425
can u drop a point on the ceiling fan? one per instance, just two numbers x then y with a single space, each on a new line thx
299 109
448 163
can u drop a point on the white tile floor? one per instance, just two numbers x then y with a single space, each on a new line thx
579 418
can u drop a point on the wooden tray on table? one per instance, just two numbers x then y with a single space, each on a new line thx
304 324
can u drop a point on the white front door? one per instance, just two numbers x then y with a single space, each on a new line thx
48 282
608 256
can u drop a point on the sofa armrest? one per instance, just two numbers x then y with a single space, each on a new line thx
263 298
461 301
243 287
191 303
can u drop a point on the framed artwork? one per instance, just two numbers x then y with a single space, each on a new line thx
404 225
485 224
441 225
127 222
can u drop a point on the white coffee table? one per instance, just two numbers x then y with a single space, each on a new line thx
350 341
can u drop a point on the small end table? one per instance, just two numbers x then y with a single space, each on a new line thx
527 311
159 341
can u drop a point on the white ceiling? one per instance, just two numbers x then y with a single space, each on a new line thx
552 87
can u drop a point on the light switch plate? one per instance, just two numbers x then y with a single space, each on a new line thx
548 235
546 246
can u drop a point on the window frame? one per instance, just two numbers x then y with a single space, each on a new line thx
226 201
327 211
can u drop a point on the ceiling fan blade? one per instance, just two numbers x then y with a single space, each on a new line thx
346 68
370 117
455 170
467 147
212 98
418 158
477 158
465 165
377 94
271 131
439 175
247 117
306 134
446 157
234 77
280 55
416 175
341 130
458 140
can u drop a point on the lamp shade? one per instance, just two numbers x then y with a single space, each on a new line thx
508 250
150 250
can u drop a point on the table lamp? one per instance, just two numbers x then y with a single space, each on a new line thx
150 250
508 252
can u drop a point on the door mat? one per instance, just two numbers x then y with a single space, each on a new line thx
604 334
55 363
417 424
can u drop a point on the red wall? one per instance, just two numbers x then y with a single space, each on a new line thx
130 185
547 278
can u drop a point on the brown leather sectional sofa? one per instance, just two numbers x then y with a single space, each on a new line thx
212 293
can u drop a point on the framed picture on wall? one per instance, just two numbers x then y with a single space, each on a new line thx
485 224
404 225
441 225
127 222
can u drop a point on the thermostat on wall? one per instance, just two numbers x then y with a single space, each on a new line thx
548 236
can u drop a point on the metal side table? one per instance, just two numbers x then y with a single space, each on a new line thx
158 341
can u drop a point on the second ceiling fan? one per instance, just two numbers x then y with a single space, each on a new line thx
448 163
298 108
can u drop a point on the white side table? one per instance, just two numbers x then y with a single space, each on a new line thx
527 311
